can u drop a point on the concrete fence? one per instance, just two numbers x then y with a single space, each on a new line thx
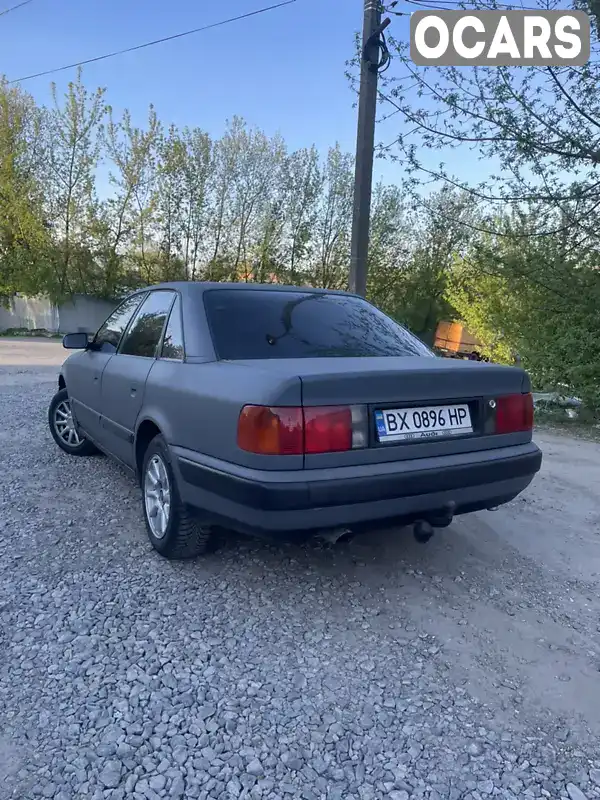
82 313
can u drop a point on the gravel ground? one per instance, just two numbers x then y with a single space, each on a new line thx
467 668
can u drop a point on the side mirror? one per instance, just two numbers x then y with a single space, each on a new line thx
75 341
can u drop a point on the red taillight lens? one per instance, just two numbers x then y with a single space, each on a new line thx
271 431
327 429
299 431
514 413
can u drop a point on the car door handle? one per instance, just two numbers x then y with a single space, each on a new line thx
133 391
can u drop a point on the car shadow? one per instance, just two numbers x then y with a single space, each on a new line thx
381 557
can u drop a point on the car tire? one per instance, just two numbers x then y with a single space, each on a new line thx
172 528
63 430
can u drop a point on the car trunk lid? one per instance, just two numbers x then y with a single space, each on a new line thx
337 381
391 380
400 384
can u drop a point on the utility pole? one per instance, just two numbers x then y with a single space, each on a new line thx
365 143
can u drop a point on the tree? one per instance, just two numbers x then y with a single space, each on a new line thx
537 130
223 168
441 231
197 176
170 200
258 162
129 214
536 298
267 263
389 250
530 279
486 304
302 183
25 241
334 222
73 149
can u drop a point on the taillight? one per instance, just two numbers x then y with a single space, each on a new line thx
271 431
299 431
514 413
327 429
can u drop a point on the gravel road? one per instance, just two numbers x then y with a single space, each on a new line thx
467 668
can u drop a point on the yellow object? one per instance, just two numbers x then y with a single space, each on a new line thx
453 337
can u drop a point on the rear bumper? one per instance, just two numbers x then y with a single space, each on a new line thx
262 501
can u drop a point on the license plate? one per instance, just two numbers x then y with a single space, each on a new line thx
432 422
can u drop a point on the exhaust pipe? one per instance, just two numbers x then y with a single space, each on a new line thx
332 537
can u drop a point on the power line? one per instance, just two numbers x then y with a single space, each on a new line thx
478 5
156 41
14 8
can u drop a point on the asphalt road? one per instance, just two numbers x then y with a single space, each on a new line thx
466 668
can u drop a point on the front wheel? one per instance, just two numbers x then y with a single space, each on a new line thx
172 529
63 428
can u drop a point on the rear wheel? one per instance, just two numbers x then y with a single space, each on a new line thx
63 428
172 528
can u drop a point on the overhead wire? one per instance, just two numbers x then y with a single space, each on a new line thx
14 8
458 5
153 42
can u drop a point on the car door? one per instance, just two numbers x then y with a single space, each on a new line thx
83 373
124 377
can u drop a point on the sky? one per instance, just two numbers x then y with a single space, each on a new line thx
283 71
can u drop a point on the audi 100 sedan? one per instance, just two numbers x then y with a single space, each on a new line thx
283 411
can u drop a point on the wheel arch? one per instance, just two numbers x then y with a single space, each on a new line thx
61 382
146 431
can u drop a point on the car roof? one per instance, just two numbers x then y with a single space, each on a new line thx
199 287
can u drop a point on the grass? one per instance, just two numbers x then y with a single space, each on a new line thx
38 332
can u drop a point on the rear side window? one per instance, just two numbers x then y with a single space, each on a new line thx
146 329
108 337
271 324
173 341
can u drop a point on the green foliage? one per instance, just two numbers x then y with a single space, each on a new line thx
412 252
537 298
71 130
25 243
529 281
516 258
482 301
183 206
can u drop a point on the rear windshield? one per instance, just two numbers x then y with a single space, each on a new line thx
271 324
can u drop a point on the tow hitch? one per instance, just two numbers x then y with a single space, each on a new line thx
423 529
